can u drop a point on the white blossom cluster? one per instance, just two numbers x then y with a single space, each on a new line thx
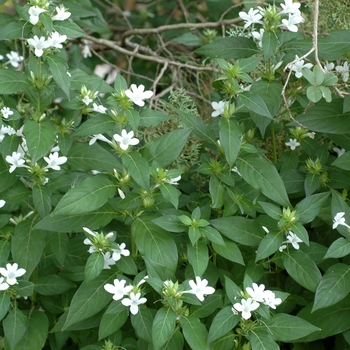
255 296
14 59
9 275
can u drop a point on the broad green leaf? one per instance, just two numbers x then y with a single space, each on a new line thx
309 207
37 331
142 323
198 257
24 288
149 117
194 332
175 341
127 265
92 82
314 93
288 328
94 266
269 44
254 103
138 168
301 268
114 318
271 210
269 245
343 162
224 343
230 251
262 339
333 287
262 175
300 231
15 325
207 307
217 192
42 199
223 322
170 223
239 229
163 326
120 84
99 124
338 249
166 148
59 68
12 82
52 285
14 30
5 302
170 193
5 248
7 178
90 195
89 299
40 138
27 246
229 48
213 235
194 234
230 139
59 245
69 28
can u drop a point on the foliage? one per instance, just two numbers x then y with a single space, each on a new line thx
199 205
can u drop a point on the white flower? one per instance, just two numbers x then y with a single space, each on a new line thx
14 59
339 220
200 288
235 170
1 57
86 52
99 108
134 301
121 193
2 203
173 181
108 260
293 144
293 239
246 306
117 253
57 39
39 44
87 100
329 66
344 71
282 247
34 12
98 137
3 285
62 14
253 16
292 21
6 130
259 36
290 7
6 111
219 108
54 161
16 160
298 66
118 289
126 139
339 151
11 273
271 300
265 229
137 94
257 292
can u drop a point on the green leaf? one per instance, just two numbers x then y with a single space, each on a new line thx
91 81
194 332
254 103
269 245
163 326
90 195
166 148
261 339
12 82
314 93
288 328
269 44
239 229
309 207
24 288
198 257
42 199
69 28
14 30
261 174
5 302
170 193
223 322
52 285
7 178
127 265
5 248
114 318
59 245
142 323
302 269
229 48
194 234
230 251
58 67
213 235
333 287
15 325
94 266
27 246
40 138
138 168
170 223
89 299
217 192
343 162
175 341
338 249
272 210
99 124
150 117
230 139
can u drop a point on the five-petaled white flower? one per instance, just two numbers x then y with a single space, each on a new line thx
134 301
292 21
108 260
126 139
16 160
137 94
118 289
293 239
99 108
253 16
270 299
2 203
6 112
298 66
56 40
219 108
39 44
200 288
259 36
290 7
344 71
61 15
329 66
34 12
3 285
11 273
339 220
14 59
257 292
246 306
117 253
86 100
293 144
54 161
